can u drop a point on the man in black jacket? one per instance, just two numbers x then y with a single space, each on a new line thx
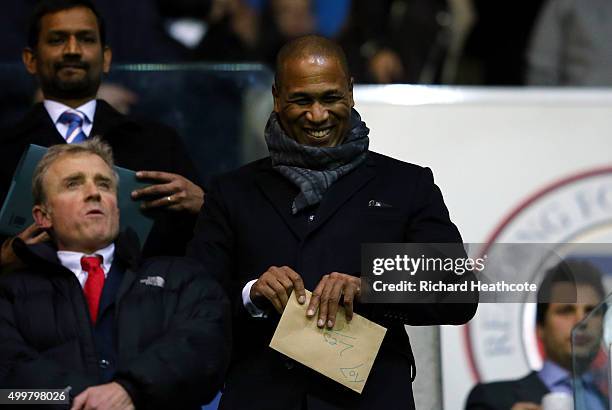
296 221
68 55
87 313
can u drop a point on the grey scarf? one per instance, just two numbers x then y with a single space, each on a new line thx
314 169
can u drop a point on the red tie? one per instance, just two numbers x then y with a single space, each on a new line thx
94 284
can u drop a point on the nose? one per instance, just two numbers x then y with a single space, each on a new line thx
92 192
317 113
581 313
72 46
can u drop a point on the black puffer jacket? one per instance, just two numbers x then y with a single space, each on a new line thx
172 327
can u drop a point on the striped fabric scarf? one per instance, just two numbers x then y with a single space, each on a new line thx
314 169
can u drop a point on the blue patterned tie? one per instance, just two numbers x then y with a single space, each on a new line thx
75 132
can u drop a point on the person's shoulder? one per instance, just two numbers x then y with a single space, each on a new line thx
117 122
493 388
165 264
21 281
13 133
387 161
396 167
245 173
499 390
175 268
177 273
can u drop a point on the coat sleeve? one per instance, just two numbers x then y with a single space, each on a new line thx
213 245
23 366
430 223
10 153
187 364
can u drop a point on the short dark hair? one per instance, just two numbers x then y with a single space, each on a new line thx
45 7
310 45
575 271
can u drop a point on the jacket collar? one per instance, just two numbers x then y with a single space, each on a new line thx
38 123
530 388
280 193
107 119
44 255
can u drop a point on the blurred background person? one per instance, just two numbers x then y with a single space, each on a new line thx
570 44
495 49
406 41
573 280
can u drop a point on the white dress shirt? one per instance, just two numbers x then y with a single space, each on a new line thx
56 109
253 310
72 261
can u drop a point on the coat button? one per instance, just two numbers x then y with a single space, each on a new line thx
104 364
289 364
311 218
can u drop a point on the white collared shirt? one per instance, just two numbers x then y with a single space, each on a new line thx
72 261
253 310
56 109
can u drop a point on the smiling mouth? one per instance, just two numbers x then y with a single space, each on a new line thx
319 133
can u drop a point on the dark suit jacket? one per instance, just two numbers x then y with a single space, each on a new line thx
503 395
246 226
137 145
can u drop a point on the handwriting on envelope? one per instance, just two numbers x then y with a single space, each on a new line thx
345 353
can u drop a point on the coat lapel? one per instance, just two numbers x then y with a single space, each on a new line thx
280 193
111 285
105 119
37 128
127 253
342 190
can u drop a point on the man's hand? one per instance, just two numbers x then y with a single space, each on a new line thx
523 405
276 285
111 396
327 296
31 235
173 192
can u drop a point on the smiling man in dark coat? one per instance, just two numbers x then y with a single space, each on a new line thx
296 220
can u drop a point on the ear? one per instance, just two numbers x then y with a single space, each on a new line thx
539 332
276 98
107 57
351 82
42 217
28 56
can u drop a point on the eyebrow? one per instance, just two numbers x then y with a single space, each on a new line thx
103 178
78 32
301 94
74 177
79 176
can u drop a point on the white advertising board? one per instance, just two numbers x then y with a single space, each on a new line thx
514 165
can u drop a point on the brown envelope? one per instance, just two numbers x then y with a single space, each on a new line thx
345 353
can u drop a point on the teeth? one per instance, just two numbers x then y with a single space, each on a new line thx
318 133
